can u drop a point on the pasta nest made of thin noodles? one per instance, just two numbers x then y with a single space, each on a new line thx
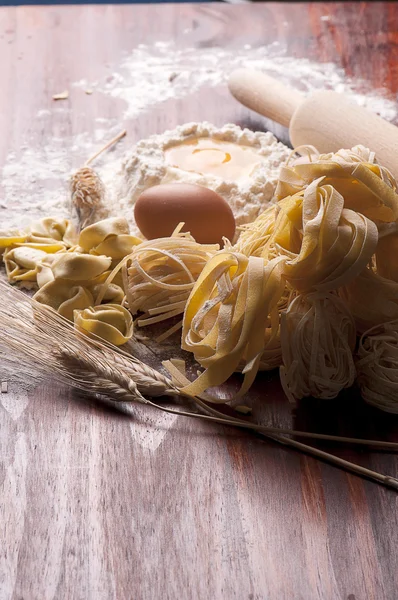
160 275
318 338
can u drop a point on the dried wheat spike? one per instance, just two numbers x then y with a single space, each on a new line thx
87 193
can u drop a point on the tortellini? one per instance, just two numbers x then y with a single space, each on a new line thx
110 237
76 275
64 298
47 230
113 293
44 270
74 266
22 263
110 322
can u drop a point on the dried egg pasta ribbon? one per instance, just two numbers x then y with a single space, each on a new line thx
366 187
226 317
337 243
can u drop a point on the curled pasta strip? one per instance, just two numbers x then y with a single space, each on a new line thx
162 274
232 317
255 236
378 366
318 337
367 187
337 243
371 299
11 238
110 322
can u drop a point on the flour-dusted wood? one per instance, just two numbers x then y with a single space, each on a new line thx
101 502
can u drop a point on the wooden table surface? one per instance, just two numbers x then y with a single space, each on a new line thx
102 503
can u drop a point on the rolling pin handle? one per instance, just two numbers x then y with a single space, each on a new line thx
265 95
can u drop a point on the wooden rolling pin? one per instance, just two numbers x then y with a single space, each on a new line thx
327 120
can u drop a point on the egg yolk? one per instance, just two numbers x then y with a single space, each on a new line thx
207 156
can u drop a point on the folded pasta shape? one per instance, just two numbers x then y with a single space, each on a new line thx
49 229
64 297
378 366
11 238
114 294
110 322
232 317
44 271
22 263
110 237
318 338
75 266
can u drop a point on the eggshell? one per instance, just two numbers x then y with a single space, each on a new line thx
207 216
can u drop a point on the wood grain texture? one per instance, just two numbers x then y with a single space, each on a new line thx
105 503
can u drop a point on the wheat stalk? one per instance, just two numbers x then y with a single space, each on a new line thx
87 194
37 340
87 188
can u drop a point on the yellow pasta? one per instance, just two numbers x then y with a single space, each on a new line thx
337 243
48 230
366 187
110 237
74 266
64 297
9 239
22 263
110 322
232 316
161 276
318 338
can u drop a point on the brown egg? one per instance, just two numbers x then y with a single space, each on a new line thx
206 215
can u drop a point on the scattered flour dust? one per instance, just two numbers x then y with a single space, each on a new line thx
34 178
